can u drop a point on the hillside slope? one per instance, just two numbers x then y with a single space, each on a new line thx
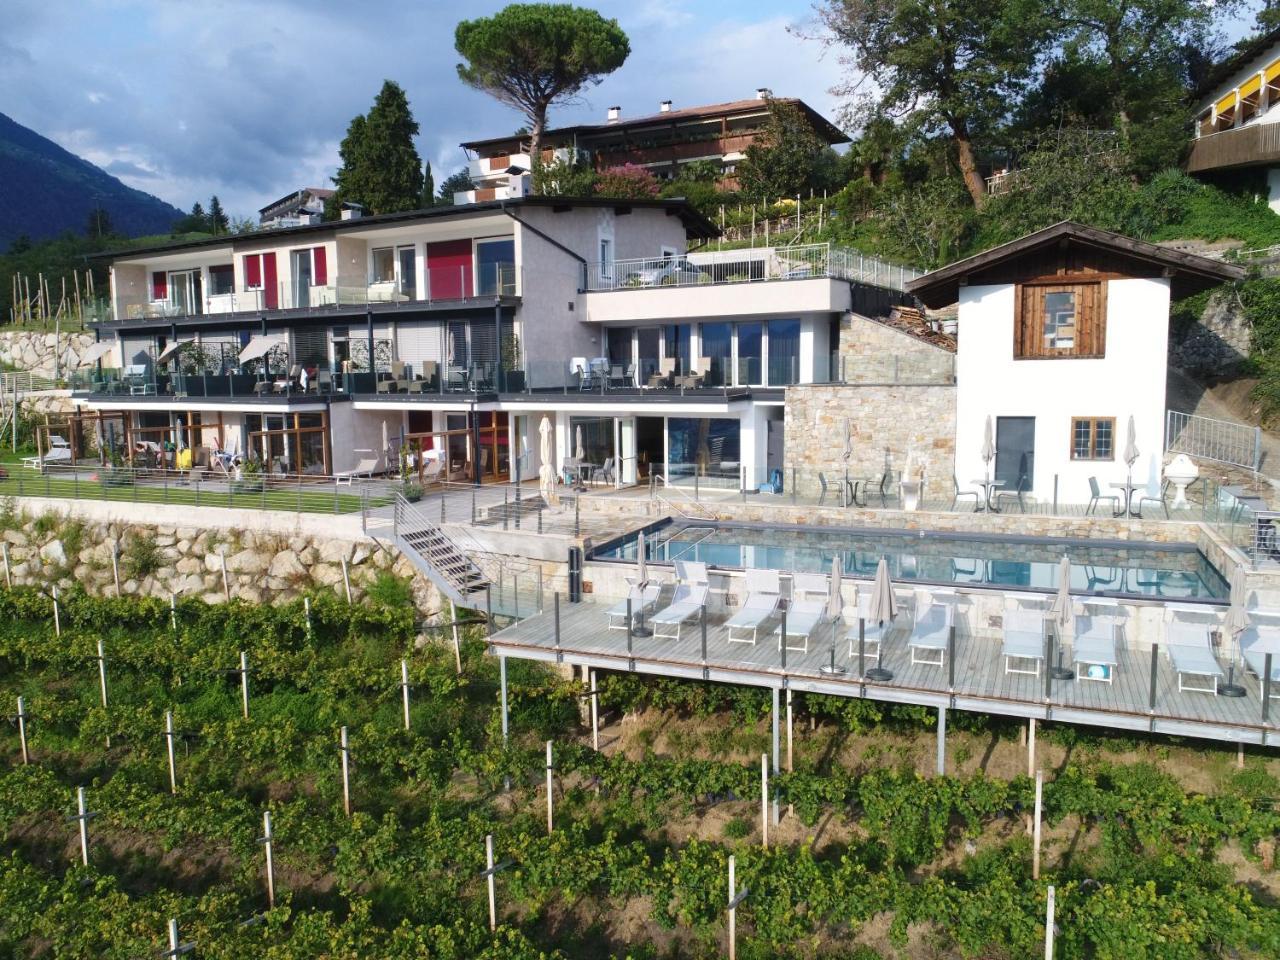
45 190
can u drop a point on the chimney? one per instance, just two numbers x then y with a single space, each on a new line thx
664 106
614 114
762 92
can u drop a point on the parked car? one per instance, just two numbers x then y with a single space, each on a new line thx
675 271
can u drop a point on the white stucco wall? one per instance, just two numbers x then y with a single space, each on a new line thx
1129 380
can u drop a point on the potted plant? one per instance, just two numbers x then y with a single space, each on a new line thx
410 489
248 476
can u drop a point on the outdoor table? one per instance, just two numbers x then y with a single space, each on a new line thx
1127 488
989 487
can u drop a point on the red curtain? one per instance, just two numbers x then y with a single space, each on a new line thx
449 269
319 268
270 289
253 271
159 285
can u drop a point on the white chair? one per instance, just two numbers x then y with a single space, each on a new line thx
642 601
1023 641
764 593
1255 643
1190 650
873 634
806 611
59 452
930 636
364 468
1093 648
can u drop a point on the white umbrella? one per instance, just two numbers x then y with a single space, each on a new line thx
884 605
1237 621
1061 610
577 439
848 440
835 603
642 572
546 472
988 446
1131 447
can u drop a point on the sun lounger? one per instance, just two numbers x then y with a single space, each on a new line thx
1192 657
764 593
692 572
872 633
1255 643
803 617
1023 641
644 600
688 602
364 468
59 452
928 641
1093 648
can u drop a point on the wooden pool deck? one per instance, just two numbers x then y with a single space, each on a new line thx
978 682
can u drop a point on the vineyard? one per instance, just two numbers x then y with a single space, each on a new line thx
874 860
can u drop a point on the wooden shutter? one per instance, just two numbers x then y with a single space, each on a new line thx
253 271
159 285
1090 320
269 288
319 268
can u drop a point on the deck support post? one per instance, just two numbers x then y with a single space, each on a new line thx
1266 692
1240 755
502 684
942 741
1155 670
790 756
764 800
595 712
775 749
1035 843
1031 747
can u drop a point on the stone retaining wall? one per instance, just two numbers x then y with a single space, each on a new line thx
1218 342
40 352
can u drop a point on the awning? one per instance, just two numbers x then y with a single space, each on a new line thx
96 352
1226 104
260 346
1251 86
169 352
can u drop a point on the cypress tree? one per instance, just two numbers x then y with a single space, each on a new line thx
380 167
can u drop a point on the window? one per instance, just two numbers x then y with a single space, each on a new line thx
750 352
784 352
1093 438
1060 320
221 279
496 267
384 265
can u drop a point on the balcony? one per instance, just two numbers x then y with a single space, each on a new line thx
442 285
482 169
1257 143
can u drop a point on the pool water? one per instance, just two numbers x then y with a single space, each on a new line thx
1149 570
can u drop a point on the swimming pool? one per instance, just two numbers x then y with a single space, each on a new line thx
1110 567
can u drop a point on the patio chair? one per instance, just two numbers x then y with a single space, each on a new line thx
1255 643
603 473
363 468
1022 641
687 603
618 376
822 483
1162 499
881 487
692 572
803 617
431 472
262 388
764 593
1093 648
59 452
1190 650
873 634
929 637
1017 493
964 494
284 385
1096 496
665 375
641 600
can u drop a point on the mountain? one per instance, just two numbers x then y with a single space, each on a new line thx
45 190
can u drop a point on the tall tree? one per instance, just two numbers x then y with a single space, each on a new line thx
218 220
955 65
457 182
428 188
380 169
533 56
781 162
99 224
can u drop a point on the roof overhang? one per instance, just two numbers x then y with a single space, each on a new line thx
1188 273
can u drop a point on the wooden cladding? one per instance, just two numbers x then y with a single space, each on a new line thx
1056 320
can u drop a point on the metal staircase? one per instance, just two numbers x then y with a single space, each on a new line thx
441 560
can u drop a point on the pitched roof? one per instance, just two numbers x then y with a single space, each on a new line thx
1245 51
1189 273
821 124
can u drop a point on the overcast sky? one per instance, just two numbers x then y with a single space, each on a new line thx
248 99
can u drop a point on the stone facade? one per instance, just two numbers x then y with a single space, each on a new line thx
885 423
42 352
1218 342
262 566
873 351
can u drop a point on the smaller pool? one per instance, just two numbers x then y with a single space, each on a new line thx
1121 568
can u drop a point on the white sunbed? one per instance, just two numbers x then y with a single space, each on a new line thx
1023 641
1093 649
803 617
764 593
1255 643
641 600
688 602
692 572
928 640
59 452
873 633
1191 653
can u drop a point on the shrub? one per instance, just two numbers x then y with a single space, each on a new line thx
737 828
141 556
390 591
627 182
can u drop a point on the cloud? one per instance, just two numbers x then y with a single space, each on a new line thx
250 98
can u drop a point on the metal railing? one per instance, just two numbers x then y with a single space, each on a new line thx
1238 444
24 381
746 265
198 488
437 284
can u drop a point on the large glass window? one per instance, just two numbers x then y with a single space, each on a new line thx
384 265
619 346
496 267
676 345
750 345
222 279
595 436
647 355
716 345
784 352
706 447
408 272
